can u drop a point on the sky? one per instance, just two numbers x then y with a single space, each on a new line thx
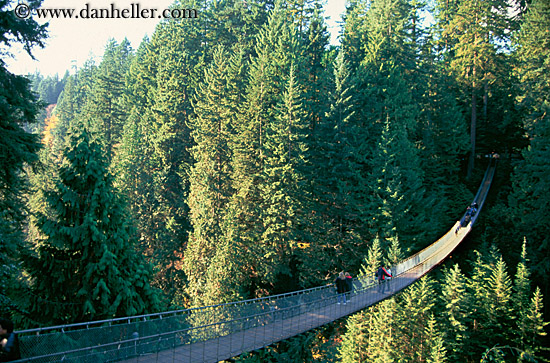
72 41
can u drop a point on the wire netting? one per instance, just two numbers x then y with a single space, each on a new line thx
122 339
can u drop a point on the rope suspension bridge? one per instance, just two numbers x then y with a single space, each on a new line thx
219 332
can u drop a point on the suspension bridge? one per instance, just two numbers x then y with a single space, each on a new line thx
220 332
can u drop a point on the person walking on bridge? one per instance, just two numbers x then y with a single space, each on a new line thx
9 343
381 275
341 286
349 285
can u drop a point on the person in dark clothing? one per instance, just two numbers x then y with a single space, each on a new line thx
381 275
465 219
9 342
473 209
341 286
349 285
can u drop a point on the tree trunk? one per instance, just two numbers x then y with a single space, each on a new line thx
473 130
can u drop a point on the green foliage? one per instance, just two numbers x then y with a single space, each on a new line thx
355 339
455 312
531 175
436 343
271 161
106 99
373 260
459 319
17 30
208 250
18 110
83 265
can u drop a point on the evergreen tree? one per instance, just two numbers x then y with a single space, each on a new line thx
163 84
139 165
535 325
499 308
374 258
106 99
84 262
397 184
340 201
18 108
476 287
270 127
444 12
415 309
528 199
394 255
455 311
76 95
521 293
480 28
285 205
210 186
436 346
382 337
355 339
532 58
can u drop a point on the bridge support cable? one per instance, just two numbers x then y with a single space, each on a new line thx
219 332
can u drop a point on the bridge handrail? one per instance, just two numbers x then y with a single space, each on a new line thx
160 315
195 319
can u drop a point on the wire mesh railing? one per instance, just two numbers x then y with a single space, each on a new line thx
237 327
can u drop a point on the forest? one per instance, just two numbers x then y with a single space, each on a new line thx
240 155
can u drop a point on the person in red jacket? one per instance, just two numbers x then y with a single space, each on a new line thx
349 285
381 275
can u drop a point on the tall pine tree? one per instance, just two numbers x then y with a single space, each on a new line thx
83 265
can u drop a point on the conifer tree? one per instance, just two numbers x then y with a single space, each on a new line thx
285 205
385 123
83 264
394 255
210 187
436 347
499 305
535 325
532 58
141 174
374 258
477 289
18 108
355 339
479 28
354 35
521 293
528 199
266 117
106 99
317 72
382 339
444 12
455 311
397 183
76 95
415 309
341 202
167 76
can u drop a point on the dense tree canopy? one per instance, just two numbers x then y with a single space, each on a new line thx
240 154
18 109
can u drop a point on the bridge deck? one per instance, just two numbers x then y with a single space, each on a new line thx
216 333
225 347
